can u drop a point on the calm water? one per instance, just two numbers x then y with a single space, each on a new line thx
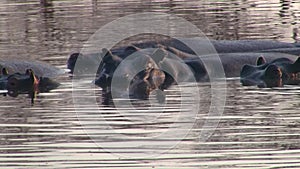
259 128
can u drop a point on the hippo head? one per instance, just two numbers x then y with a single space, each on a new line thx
23 83
28 83
276 73
138 74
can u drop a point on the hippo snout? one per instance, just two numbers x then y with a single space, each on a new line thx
22 82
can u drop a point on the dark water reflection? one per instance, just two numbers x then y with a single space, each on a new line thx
259 127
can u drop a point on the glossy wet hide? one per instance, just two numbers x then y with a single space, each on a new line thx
221 46
160 70
144 84
106 68
234 55
136 77
277 73
175 64
28 83
40 69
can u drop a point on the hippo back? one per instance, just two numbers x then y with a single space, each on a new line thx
232 62
225 46
39 68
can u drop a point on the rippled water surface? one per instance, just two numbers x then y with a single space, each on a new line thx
67 128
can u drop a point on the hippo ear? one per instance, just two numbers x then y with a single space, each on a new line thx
260 61
30 73
131 49
4 71
72 61
106 53
32 77
159 54
108 57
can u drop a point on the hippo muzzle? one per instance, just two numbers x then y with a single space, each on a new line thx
277 73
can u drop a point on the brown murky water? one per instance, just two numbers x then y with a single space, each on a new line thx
259 128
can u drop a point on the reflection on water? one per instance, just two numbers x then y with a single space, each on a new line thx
259 127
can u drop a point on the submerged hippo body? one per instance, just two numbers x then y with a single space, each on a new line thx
276 73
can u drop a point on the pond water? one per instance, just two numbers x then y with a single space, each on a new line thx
259 128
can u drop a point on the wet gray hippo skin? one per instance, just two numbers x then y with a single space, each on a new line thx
153 70
40 69
277 73
20 77
174 70
233 55
222 46
232 63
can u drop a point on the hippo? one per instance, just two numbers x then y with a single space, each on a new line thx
232 64
233 55
277 73
24 77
